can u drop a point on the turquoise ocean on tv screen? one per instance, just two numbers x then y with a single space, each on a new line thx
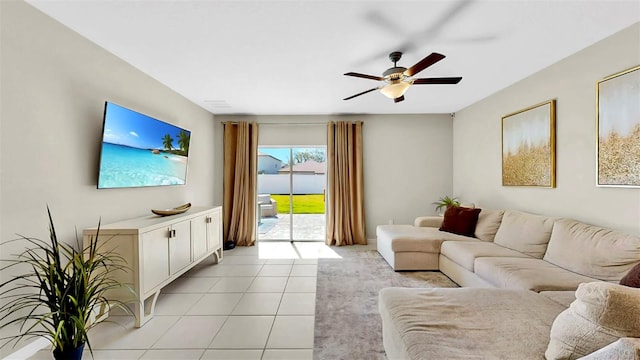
124 166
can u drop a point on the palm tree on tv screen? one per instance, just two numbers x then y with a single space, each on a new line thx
183 141
167 141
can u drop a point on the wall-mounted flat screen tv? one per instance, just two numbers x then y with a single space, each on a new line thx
138 150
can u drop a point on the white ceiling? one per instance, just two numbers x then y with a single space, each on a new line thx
289 57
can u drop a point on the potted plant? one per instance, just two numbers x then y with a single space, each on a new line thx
444 203
61 294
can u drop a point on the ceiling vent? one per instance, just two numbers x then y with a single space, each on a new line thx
217 104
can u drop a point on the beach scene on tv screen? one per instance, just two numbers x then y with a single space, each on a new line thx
138 150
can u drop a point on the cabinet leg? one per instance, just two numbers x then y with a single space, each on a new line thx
145 309
217 256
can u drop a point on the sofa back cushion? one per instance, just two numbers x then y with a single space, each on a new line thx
601 314
525 232
488 224
592 251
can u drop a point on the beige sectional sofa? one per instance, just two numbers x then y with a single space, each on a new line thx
521 271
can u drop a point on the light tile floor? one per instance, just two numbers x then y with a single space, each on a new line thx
258 303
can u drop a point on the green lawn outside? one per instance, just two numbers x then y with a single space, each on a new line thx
302 204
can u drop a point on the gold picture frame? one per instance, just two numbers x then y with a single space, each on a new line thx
529 146
618 129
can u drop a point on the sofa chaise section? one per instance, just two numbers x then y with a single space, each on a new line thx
600 320
465 323
407 247
417 247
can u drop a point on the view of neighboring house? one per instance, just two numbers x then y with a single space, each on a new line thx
308 178
310 167
268 164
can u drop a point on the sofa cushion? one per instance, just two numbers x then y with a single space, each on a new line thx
601 314
632 278
488 224
464 253
460 220
623 348
592 251
527 273
412 238
564 298
525 232
465 323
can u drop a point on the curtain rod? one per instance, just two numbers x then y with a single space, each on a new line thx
278 124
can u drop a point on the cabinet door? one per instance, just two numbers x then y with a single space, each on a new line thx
199 236
155 258
179 246
214 230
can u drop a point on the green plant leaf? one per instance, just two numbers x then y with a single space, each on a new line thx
57 297
445 202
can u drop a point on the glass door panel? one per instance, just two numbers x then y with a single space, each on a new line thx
274 193
291 189
308 185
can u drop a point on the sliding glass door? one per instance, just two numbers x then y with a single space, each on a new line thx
291 189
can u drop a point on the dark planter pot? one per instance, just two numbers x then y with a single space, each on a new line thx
68 353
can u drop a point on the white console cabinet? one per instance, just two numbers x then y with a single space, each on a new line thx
157 250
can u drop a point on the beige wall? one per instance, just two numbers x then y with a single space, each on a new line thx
407 160
54 84
477 143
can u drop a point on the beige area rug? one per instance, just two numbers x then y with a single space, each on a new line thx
348 324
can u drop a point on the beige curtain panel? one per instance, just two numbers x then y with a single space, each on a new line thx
345 185
240 177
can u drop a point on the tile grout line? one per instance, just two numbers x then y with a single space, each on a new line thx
266 343
234 307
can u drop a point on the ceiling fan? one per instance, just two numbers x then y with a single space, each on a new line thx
398 79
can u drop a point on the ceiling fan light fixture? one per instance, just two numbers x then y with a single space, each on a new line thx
395 89
398 79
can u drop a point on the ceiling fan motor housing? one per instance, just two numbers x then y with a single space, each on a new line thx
394 73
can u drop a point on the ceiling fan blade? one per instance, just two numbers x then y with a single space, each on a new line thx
430 33
441 80
398 99
362 93
371 77
377 18
424 63
434 30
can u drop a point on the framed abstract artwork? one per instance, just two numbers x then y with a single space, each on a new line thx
529 146
618 129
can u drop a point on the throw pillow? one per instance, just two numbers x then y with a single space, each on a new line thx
601 314
632 278
460 220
